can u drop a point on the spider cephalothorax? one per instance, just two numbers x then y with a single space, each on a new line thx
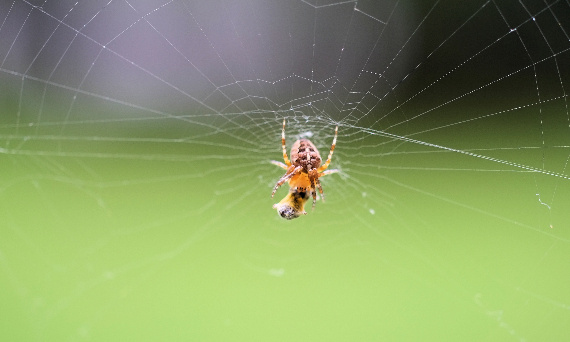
303 173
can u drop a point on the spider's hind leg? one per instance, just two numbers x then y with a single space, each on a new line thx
328 161
283 146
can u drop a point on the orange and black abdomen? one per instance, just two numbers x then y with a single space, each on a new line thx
305 154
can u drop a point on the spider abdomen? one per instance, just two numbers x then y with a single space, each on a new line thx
305 154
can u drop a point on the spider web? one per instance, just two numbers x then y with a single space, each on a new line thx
136 140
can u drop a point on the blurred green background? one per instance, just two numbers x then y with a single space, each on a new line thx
136 179
107 248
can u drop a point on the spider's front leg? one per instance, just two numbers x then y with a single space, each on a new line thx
291 171
319 186
314 179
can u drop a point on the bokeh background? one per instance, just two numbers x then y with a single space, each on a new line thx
135 175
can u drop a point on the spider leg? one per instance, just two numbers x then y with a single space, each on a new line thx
280 164
290 173
314 197
314 179
326 164
319 186
285 158
328 172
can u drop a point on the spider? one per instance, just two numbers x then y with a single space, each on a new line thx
303 173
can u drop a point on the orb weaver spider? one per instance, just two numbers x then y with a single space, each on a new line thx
303 173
